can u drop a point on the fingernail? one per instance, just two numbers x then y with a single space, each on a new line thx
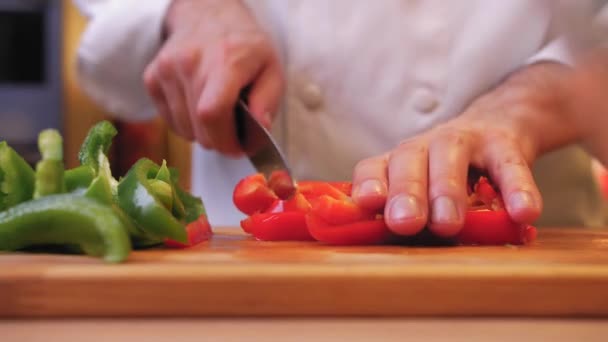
370 187
521 200
444 210
403 208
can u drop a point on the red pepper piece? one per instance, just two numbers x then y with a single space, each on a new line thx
337 212
315 189
487 227
369 232
198 231
285 226
252 194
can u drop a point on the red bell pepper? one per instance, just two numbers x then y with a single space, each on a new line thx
324 211
270 218
198 231
493 227
342 222
488 223
252 194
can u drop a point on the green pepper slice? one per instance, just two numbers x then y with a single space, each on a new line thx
50 169
78 178
66 219
137 197
16 178
98 140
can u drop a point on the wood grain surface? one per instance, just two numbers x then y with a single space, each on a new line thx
565 273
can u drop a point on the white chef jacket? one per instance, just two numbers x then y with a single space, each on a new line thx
361 76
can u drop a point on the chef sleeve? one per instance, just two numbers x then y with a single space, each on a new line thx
575 25
121 38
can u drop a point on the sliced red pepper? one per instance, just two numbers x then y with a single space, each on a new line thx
284 220
368 232
487 227
488 223
252 194
285 226
281 184
315 189
338 212
198 231
327 212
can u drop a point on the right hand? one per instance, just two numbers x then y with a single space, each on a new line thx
214 49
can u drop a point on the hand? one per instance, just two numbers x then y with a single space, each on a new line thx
423 181
214 49
589 108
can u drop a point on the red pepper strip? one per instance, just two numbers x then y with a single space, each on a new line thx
485 227
315 189
283 221
338 212
286 226
368 232
252 194
198 231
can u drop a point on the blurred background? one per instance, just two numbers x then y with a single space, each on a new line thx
39 89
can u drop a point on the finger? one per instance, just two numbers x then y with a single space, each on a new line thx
370 183
266 93
152 85
176 99
215 110
192 77
406 212
449 159
510 170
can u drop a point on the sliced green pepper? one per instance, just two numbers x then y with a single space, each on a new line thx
16 178
193 206
79 177
137 197
98 140
66 219
50 169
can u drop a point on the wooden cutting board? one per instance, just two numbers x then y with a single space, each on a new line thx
565 273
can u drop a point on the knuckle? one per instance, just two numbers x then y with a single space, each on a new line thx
164 64
452 136
150 80
367 163
411 185
187 59
413 148
446 184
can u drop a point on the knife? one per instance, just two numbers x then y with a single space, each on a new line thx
261 149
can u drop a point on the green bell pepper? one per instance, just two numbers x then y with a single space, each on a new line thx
98 140
78 178
16 178
66 219
138 197
50 169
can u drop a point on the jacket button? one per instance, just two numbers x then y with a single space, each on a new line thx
424 101
310 95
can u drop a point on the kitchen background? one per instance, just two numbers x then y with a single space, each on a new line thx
39 89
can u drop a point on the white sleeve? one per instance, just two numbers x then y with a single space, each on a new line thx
121 38
572 26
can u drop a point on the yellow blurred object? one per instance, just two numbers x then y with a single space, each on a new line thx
80 112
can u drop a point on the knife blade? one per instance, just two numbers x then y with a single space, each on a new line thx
261 149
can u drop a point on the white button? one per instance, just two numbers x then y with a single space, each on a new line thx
310 95
424 101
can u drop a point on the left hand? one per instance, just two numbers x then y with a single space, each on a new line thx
423 181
